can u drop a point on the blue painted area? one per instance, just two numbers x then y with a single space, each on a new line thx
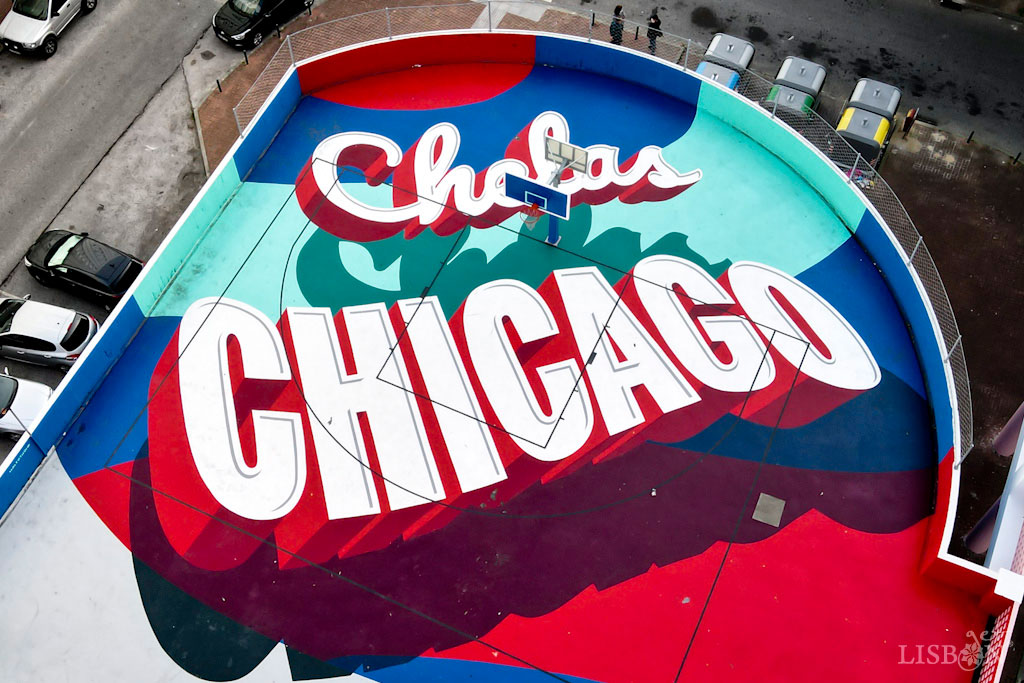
113 427
876 242
438 670
642 117
262 131
599 58
887 429
849 281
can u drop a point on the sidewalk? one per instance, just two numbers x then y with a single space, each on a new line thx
967 201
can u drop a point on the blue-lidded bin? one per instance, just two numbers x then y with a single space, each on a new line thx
719 74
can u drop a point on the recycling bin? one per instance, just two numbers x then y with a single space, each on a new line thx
801 74
719 74
875 96
866 131
730 51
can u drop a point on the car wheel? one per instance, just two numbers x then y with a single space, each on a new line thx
88 6
257 38
49 46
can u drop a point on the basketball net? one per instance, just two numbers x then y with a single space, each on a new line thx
530 215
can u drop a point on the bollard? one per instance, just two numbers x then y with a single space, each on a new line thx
219 89
970 137
637 36
278 28
246 55
1016 159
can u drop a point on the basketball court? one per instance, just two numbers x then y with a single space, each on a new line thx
364 417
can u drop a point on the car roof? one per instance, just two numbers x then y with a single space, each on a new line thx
97 259
42 321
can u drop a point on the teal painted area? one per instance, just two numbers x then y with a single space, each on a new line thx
239 230
788 147
477 256
748 205
194 224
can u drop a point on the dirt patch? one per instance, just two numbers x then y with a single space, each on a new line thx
705 17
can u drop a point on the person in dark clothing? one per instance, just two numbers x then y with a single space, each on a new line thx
616 28
653 29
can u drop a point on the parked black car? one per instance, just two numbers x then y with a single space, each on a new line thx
82 265
245 23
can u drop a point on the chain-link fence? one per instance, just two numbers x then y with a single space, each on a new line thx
525 15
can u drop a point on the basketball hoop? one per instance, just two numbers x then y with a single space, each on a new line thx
530 215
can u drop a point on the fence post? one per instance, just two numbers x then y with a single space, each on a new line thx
291 54
920 241
853 169
953 347
387 16
238 123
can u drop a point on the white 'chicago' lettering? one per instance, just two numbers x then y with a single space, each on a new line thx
605 336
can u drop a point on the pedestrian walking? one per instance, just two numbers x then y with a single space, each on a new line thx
653 29
617 24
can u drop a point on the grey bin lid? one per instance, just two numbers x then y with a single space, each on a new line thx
861 130
730 50
880 98
801 74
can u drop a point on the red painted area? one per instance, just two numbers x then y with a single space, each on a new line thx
815 597
405 54
107 492
429 87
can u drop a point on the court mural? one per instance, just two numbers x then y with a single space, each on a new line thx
376 418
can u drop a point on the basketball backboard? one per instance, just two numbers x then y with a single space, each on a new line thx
548 199
565 154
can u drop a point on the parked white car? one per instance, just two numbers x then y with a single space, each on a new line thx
33 25
21 402
43 334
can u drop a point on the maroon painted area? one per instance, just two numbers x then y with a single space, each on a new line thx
479 569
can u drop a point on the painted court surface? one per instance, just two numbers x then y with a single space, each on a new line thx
370 424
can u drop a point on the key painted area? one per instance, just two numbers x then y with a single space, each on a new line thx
358 420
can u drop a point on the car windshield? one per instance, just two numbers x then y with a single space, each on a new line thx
247 7
7 310
8 388
63 249
31 8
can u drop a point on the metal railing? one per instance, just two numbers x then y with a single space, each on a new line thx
527 15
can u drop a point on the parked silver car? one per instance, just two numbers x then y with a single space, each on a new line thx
21 402
43 334
33 25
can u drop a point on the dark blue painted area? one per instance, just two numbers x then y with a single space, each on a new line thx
113 427
262 131
849 281
886 429
87 376
599 58
438 670
874 239
640 117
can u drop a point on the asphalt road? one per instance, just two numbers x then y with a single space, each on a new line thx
964 70
59 117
